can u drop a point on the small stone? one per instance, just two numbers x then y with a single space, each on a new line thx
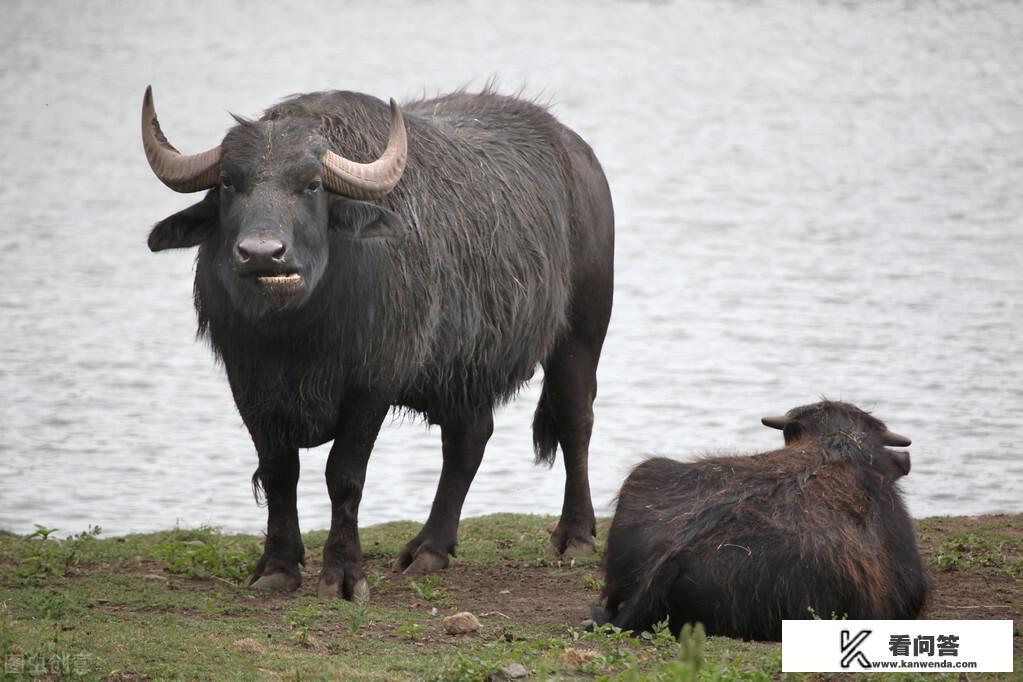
461 623
515 671
154 576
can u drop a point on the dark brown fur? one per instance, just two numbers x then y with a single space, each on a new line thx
741 543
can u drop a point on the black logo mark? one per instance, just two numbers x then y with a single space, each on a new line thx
850 648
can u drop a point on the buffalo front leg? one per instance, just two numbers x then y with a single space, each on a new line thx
277 569
463 445
342 574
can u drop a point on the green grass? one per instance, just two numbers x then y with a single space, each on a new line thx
428 589
986 551
169 606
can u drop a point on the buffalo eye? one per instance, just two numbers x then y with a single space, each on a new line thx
314 186
225 182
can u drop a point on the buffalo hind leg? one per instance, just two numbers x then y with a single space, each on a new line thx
463 446
566 411
342 573
278 568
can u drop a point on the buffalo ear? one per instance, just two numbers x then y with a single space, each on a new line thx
902 461
187 228
792 431
362 220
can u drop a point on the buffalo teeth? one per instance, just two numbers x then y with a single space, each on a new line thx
280 279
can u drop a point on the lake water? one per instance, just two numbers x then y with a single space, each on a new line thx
812 199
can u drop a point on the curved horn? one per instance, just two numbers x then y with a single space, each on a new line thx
895 440
180 172
369 180
776 422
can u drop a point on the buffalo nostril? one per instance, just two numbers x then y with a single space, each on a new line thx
260 250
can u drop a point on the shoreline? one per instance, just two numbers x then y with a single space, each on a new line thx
61 532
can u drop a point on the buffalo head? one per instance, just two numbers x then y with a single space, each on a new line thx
844 429
276 192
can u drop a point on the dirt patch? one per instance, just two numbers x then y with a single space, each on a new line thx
968 596
976 594
534 595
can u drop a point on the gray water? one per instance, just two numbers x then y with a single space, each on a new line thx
812 199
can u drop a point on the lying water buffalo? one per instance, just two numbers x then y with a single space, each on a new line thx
337 278
741 543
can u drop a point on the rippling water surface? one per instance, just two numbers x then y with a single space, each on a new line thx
812 199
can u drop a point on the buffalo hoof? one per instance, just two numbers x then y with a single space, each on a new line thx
334 590
573 548
598 616
426 561
274 582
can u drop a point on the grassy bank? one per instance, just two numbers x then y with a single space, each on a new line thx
169 606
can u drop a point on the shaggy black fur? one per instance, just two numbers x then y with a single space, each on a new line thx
492 255
741 543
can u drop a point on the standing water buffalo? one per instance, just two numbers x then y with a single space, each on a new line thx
741 543
337 278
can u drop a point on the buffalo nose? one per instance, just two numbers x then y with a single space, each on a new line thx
256 252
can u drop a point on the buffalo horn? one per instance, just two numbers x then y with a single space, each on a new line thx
369 180
895 440
776 422
180 172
